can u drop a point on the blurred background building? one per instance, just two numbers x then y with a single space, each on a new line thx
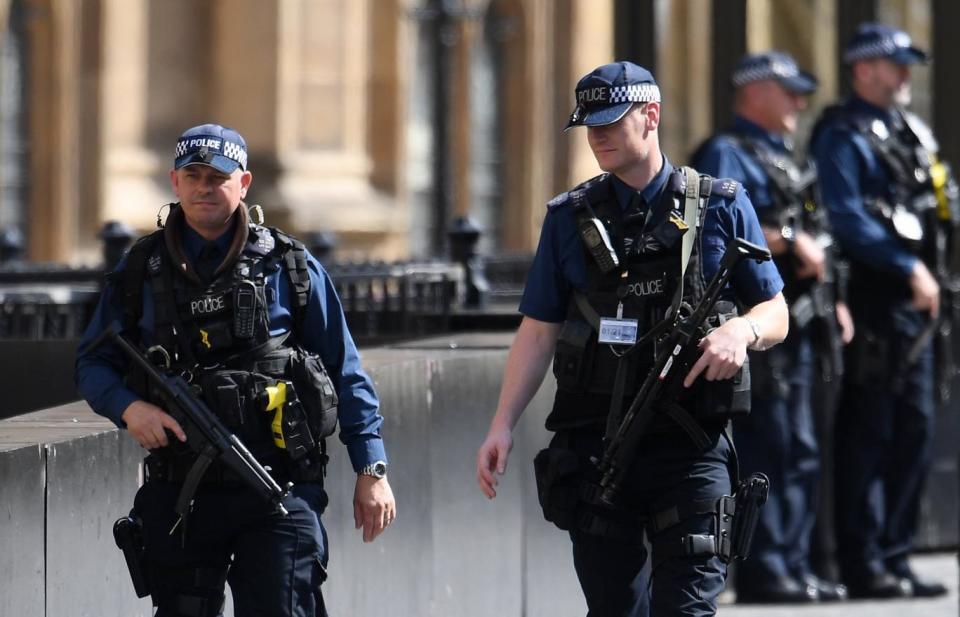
383 121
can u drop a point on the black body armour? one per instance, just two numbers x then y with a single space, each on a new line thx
920 206
598 380
218 336
795 207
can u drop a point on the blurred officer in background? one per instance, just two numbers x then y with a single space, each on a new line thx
778 436
892 206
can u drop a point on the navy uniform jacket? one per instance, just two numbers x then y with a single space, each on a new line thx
99 374
849 171
723 157
559 265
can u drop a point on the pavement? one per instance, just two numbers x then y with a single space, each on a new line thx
938 566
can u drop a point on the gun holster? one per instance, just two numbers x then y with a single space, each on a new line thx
750 497
128 534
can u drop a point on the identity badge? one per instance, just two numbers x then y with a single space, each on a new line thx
618 331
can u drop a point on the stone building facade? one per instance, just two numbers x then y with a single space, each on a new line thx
344 103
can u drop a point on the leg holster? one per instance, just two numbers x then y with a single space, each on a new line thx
668 542
734 521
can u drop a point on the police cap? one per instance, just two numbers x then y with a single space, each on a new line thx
878 41
605 94
775 65
218 146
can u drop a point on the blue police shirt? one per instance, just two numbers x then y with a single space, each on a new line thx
848 172
99 373
559 265
723 156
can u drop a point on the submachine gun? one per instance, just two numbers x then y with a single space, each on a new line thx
678 353
207 437
661 385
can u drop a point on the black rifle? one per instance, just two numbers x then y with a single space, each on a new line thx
207 437
678 351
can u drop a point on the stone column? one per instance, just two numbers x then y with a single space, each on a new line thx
134 183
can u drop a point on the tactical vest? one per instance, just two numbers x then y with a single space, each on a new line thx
217 335
920 205
597 379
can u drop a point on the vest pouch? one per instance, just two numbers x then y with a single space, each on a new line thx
573 358
316 391
557 473
232 395
727 398
869 359
768 373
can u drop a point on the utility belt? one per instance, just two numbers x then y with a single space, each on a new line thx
571 501
174 469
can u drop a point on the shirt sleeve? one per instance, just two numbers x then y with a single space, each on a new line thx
98 373
725 220
324 332
840 165
547 291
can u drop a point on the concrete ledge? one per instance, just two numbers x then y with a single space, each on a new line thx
66 474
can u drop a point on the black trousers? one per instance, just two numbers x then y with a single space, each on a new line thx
668 470
274 564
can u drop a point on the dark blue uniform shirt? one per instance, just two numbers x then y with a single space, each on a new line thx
849 171
99 373
559 265
724 157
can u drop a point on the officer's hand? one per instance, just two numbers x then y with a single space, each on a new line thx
845 321
374 507
812 259
492 456
146 423
926 291
722 352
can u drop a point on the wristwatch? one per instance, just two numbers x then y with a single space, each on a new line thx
376 469
789 235
755 327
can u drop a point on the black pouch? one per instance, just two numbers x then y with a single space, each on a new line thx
557 473
726 398
868 355
573 357
232 395
316 392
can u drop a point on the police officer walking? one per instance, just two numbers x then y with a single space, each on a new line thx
252 322
778 436
609 270
887 197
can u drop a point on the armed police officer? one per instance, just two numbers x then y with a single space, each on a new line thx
620 256
889 200
251 321
778 436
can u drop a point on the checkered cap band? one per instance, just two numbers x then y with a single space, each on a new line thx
214 145
878 48
764 69
605 95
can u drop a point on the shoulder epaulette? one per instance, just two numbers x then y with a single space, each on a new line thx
558 201
723 187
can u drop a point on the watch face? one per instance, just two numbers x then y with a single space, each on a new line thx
380 469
